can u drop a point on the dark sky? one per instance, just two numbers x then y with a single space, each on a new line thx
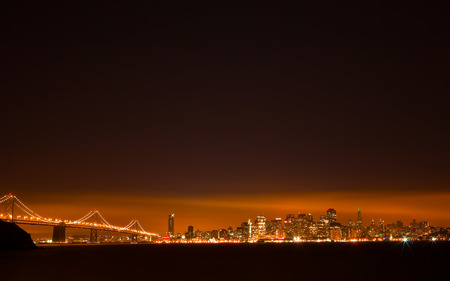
170 98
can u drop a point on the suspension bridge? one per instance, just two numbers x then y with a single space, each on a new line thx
14 210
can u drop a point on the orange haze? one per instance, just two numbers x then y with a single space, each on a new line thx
214 212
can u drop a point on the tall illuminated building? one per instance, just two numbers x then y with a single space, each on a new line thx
381 227
277 227
331 216
171 231
359 222
260 226
191 231
289 225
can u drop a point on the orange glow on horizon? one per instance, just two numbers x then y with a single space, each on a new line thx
215 212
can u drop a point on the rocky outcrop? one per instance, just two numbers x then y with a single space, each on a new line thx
14 237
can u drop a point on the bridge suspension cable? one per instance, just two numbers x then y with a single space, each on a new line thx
95 213
134 223
29 210
88 215
5 198
128 225
140 226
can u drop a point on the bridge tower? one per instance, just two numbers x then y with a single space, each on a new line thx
9 206
94 237
96 221
59 233
135 226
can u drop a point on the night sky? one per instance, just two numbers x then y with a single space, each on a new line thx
219 112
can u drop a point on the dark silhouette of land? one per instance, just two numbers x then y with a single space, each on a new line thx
14 237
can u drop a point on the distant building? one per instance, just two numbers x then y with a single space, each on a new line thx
245 230
351 230
239 232
331 215
260 226
171 231
289 226
223 234
301 226
359 222
191 232
230 232
335 233
207 235
276 227
381 227
323 230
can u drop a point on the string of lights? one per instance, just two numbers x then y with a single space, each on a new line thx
129 225
140 226
30 214
85 217
107 223
34 214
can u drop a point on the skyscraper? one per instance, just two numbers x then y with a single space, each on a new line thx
191 231
261 226
359 223
277 227
331 216
171 231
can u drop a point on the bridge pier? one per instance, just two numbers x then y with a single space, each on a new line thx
59 233
134 238
94 237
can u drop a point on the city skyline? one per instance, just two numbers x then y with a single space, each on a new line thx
231 215
305 228
301 227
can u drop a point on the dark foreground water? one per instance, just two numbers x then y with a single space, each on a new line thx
280 262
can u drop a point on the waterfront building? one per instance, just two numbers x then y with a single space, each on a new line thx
323 230
352 231
276 227
239 232
260 226
191 232
223 234
288 227
207 235
245 230
335 233
171 231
